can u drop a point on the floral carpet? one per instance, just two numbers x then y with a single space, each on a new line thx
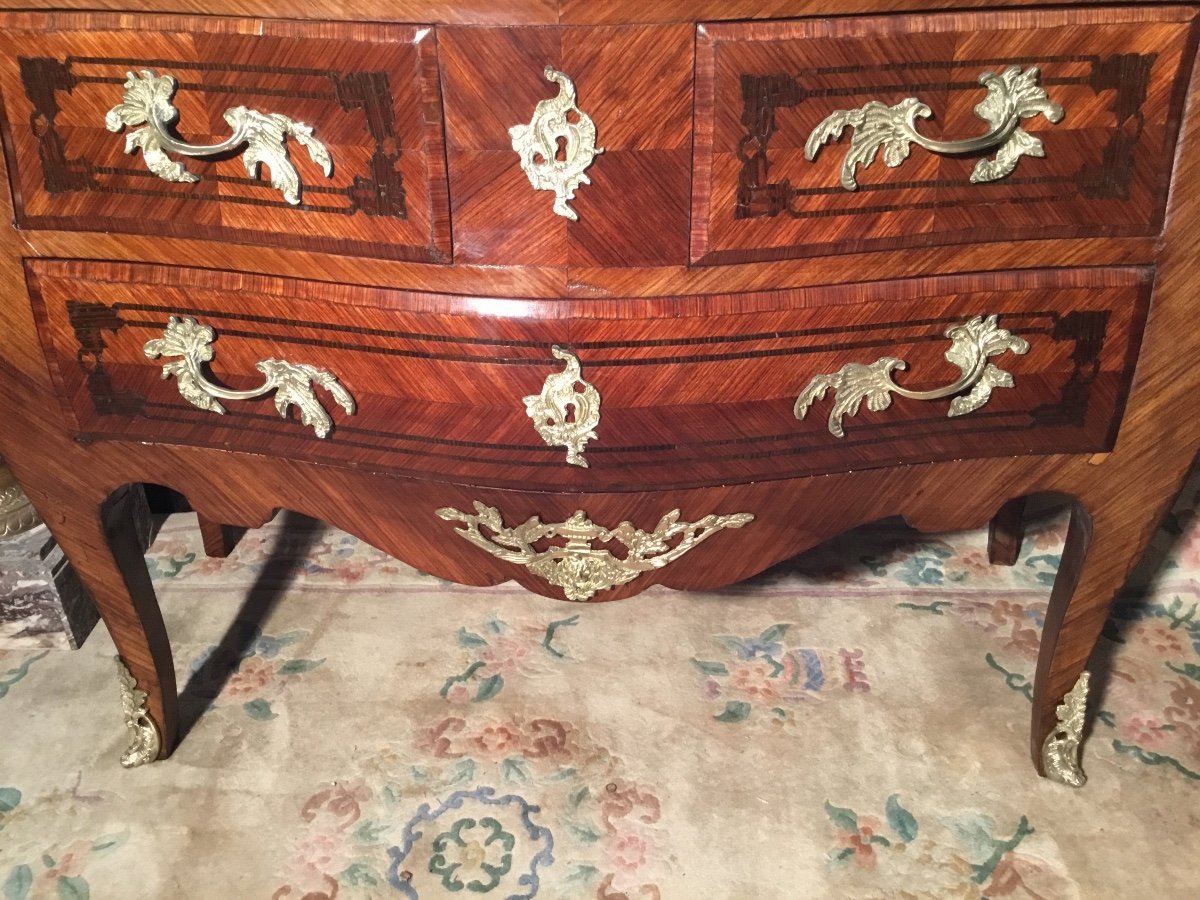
851 724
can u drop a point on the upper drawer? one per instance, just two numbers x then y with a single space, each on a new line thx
809 134
369 94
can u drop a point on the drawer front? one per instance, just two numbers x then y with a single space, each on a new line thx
685 392
633 84
369 94
805 129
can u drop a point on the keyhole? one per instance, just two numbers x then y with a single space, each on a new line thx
560 152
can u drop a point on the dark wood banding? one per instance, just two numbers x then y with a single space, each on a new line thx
687 400
763 87
371 97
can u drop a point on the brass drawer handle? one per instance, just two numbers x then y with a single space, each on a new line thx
556 122
577 567
1012 95
291 382
147 102
971 344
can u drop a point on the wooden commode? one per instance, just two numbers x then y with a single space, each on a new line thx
600 294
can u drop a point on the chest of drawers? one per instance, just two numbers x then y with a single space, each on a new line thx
596 295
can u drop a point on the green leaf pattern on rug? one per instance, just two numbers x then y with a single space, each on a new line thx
464 835
962 855
302 551
59 871
602 825
764 672
900 819
916 563
254 677
497 653
10 799
735 711
1153 698
11 676
169 566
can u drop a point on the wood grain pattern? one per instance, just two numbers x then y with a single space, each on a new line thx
466 12
614 290
762 88
541 12
635 83
371 96
592 282
702 396
1005 533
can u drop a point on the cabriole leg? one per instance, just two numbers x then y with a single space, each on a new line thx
1005 533
1099 554
110 562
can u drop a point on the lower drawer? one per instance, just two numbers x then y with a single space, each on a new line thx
688 391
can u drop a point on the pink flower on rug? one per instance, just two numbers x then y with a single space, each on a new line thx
251 678
70 862
1145 732
172 550
504 654
975 562
1049 536
350 572
1160 637
210 565
860 841
317 855
628 852
1023 875
498 740
458 693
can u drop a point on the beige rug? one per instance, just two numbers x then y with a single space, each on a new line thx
852 724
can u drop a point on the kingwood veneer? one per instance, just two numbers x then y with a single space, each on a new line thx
378 260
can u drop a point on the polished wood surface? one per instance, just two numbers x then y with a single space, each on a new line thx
617 287
370 94
541 12
763 88
1005 533
694 391
635 80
